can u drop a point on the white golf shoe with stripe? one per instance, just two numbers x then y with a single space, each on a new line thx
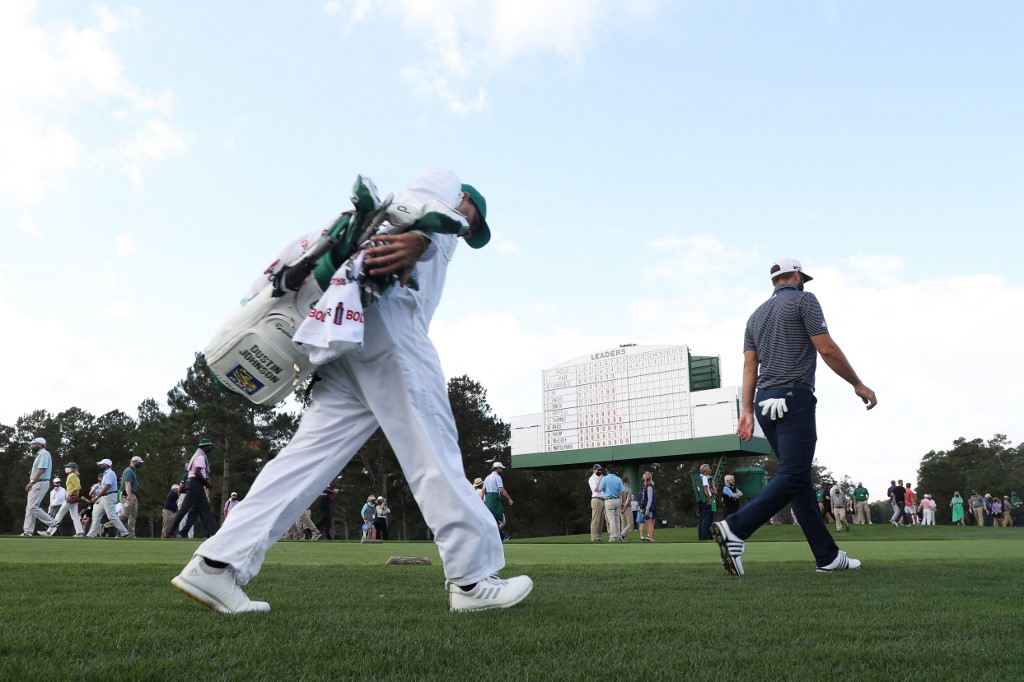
490 593
840 563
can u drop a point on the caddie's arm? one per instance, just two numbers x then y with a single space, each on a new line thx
505 495
746 427
396 253
834 357
128 489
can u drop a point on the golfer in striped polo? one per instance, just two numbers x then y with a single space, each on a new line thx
780 347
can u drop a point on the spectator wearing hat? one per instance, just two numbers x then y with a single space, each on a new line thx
368 514
104 504
861 505
73 491
613 495
596 502
169 511
57 497
705 503
1016 504
648 507
130 495
37 486
229 505
197 488
910 505
986 509
927 510
977 508
478 486
839 507
494 490
380 523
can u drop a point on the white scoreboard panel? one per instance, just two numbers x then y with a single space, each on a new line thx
620 396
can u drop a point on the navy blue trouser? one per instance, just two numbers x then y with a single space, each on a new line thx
706 517
793 439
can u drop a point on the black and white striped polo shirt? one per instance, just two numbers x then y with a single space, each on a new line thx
780 330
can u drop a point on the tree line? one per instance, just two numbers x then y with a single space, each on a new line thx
548 502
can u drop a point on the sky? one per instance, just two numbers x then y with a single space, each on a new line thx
644 162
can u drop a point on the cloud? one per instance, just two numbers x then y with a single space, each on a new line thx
467 42
67 78
27 225
126 246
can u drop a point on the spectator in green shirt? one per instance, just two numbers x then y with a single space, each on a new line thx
130 495
860 501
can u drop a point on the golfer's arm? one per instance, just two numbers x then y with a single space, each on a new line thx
749 380
836 360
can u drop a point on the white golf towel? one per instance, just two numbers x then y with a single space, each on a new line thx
335 324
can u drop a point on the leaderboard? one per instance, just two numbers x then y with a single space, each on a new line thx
619 396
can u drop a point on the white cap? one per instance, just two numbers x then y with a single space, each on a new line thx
234 494
136 458
56 479
174 487
40 441
784 266
497 465
371 498
106 461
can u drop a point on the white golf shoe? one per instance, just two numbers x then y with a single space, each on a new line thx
731 547
215 588
840 563
490 593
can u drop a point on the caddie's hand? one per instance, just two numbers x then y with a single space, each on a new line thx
746 428
775 406
396 253
867 395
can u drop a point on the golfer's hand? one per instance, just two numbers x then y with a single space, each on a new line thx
867 395
395 253
746 428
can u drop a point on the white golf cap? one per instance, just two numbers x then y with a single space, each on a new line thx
784 266
497 465
39 441
174 487
56 479
106 461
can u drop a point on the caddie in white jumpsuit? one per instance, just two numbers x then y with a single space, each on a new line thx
394 381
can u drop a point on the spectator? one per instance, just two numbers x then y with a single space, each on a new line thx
70 503
927 510
494 490
997 512
38 484
648 506
899 496
229 505
57 497
478 486
380 523
596 503
103 503
957 506
1015 501
704 503
170 509
1006 511
327 498
838 498
986 507
910 504
977 503
368 514
612 494
129 513
732 495
860 499
629 510
197 488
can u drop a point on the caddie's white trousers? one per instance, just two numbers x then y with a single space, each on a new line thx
614 519
105 507
399 385
32 509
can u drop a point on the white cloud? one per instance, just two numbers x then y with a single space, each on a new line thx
126 246
155 141
67 77
467 41
118 310
27 225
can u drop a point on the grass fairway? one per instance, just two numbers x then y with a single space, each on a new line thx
936 603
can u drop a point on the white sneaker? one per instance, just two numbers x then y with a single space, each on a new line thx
730 545
215 588
52 530
46 533
490 593
840 563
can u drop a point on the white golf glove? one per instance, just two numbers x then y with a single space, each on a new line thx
777 407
